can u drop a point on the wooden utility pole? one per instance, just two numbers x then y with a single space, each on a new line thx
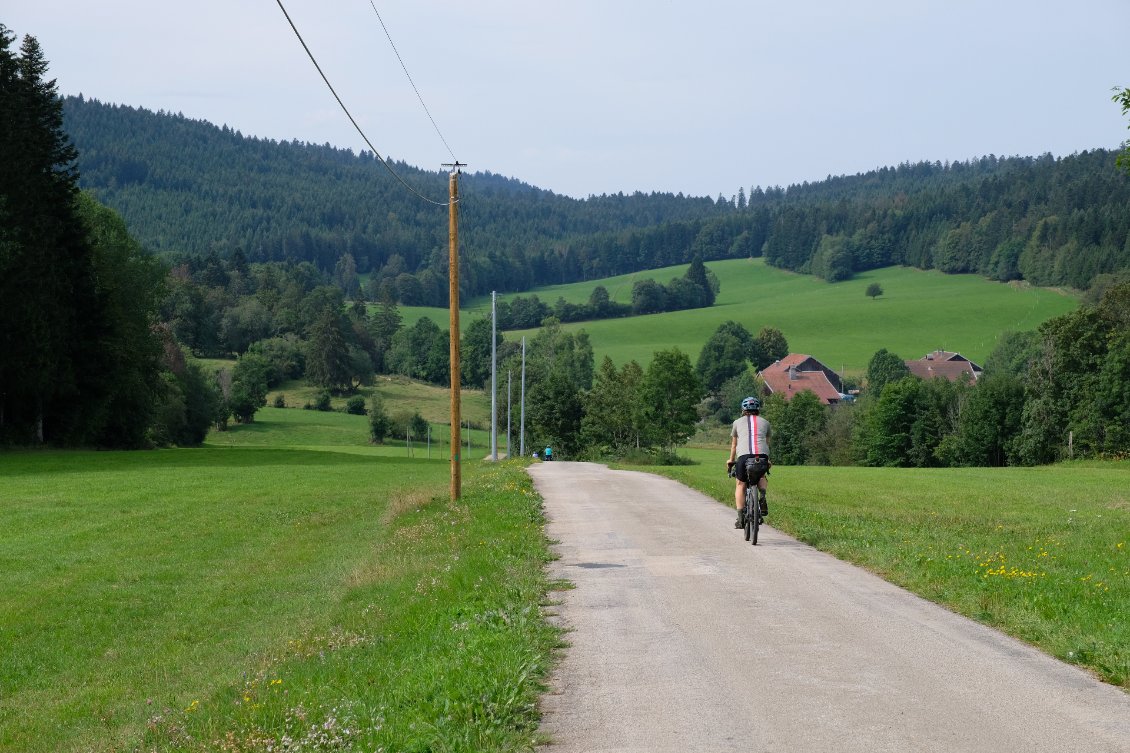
493 378
453 303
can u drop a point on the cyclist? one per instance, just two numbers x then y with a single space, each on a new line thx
549 453
750 434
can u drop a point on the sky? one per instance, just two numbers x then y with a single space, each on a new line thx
590 97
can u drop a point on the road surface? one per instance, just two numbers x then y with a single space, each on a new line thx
659 661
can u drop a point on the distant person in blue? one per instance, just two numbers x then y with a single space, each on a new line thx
548 453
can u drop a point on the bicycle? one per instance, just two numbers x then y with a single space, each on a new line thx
756 467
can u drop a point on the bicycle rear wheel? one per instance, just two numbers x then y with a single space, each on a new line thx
752 514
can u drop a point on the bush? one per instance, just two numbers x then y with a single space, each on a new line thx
322 401
280 400
418 425
404 421
379 424
355 406
248 387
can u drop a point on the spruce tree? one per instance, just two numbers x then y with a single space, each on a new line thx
46 270
696 273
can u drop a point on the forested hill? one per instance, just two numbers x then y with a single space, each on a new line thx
189 187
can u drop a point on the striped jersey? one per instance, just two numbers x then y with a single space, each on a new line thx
753 434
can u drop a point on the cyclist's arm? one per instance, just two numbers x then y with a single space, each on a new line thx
733 452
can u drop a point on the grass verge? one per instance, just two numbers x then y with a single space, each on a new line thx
265 599
1040 553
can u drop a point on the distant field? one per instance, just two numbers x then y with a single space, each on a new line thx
397 393
918 312
1041 553
341 432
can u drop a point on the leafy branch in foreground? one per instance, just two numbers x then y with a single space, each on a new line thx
1122 97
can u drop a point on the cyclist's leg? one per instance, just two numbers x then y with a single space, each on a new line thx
739 501
762 485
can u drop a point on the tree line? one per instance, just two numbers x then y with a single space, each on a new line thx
1050 221
81 361
697 288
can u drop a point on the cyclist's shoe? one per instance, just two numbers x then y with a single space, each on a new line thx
740 522
763 505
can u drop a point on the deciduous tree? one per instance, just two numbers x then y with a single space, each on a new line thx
883 368
669 393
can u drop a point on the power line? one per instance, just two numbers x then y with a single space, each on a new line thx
349 115
406 73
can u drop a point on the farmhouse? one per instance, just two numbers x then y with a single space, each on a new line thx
942 363
797 372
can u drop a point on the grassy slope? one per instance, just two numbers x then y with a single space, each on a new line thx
397 394
339 432
1041 553
216 598
919 311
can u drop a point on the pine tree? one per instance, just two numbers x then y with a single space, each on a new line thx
696 273
327 356
46 269
384 324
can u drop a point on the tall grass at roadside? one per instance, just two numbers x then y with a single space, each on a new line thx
1040 553
236 598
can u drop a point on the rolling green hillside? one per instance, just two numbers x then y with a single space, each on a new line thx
919 311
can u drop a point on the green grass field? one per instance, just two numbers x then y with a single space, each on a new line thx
290 582
228 597
397 394
1040 553
919 311
340 432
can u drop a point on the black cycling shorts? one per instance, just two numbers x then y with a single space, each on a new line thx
750 468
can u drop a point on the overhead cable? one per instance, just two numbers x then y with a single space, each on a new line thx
349 115
406 73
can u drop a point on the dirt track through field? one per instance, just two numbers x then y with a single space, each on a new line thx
667 592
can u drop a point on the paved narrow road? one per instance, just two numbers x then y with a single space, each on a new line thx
666 591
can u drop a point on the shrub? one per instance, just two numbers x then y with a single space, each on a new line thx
355 406
280 400
379 423
322 401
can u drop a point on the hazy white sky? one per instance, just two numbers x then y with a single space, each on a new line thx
600 96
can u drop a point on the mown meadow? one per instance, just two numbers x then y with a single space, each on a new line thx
284 587
919 311
1040 553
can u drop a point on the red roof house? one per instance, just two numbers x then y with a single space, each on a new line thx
943 363
798 372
